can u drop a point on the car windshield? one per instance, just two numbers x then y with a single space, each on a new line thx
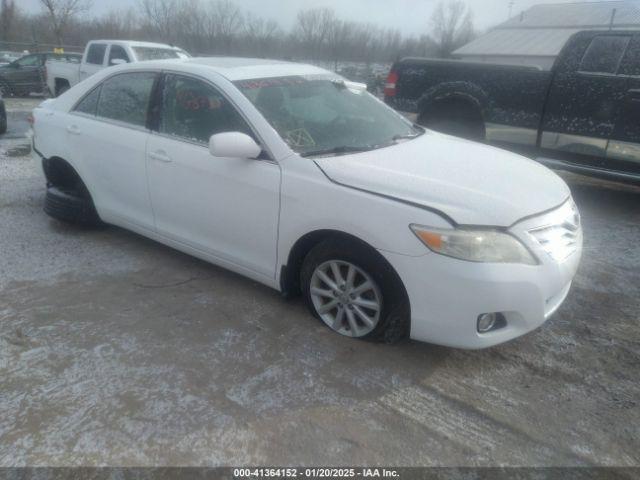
150 53
326 115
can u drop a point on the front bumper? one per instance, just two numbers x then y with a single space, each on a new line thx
448 295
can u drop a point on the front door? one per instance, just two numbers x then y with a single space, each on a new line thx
624 148
94 60
227 208
25 75
584 103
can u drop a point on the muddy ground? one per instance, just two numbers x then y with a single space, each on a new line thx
115 350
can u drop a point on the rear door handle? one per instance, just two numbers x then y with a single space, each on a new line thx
73 130
160 156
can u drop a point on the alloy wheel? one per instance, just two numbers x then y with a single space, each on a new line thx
346 298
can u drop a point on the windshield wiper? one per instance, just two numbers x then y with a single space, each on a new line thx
340 150
408 136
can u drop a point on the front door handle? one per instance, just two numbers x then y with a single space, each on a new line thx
634 94
160 156
73 130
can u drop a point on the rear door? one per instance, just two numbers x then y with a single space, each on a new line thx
108 135
624 148
585 101
94 60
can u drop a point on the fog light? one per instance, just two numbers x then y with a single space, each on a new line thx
486 322
489 322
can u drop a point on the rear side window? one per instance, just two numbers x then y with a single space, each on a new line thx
125 98
194 110
30 61
89 104
631 61
96 52
604 54
147 53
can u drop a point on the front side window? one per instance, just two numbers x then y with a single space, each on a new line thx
125 97
29 61
316 114
89 104
96 52
604 54
194 110
149 53
117 53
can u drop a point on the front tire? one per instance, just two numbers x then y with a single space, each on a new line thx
5 89
355 293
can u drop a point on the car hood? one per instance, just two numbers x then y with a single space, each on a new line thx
471 183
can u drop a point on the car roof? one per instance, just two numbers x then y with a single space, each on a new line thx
240 68
134 43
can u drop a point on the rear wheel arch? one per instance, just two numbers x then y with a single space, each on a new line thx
68 199
61 174
460 102
61 86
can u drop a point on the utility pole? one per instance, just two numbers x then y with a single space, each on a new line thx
613 18
511 5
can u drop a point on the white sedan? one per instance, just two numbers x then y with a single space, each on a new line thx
294 177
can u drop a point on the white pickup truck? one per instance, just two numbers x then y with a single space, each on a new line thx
99 54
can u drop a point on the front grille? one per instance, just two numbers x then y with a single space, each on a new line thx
561 235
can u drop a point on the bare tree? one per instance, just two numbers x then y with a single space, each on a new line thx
115 24
161 16
62 12
226 21
312 28
7 17
452 24
260 33
338 38
214 26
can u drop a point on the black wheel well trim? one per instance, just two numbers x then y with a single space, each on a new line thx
46 162
470 93
290 272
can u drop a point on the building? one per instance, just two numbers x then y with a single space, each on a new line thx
536 36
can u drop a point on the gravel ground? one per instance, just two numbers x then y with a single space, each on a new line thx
115 350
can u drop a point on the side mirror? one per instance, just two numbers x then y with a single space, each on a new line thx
117 61
234 145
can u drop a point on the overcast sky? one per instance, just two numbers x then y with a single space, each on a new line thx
411 16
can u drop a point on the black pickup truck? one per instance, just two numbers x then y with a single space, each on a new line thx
583 115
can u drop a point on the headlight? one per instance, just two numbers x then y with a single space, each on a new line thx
487 246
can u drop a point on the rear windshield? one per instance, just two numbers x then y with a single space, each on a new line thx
150 53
